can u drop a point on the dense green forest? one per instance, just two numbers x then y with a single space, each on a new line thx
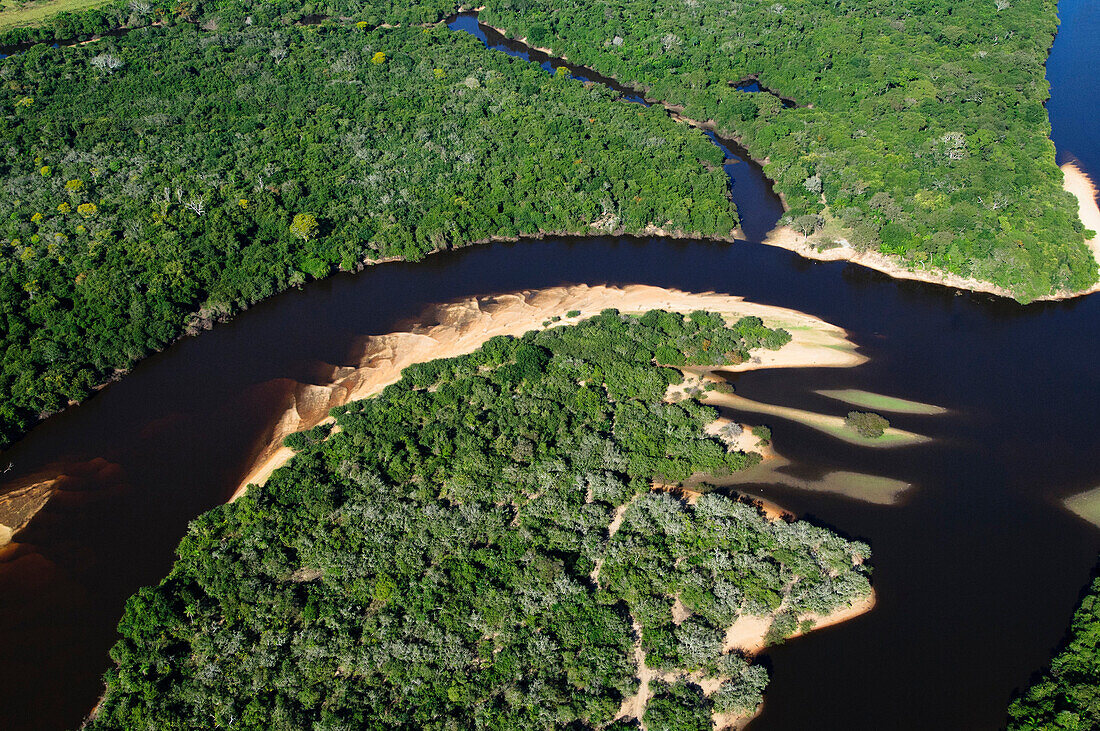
174 175
919 123
444 559
1067 695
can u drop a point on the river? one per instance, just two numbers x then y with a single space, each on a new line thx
977 570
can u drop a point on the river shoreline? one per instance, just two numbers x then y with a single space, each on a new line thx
462 327
1077 183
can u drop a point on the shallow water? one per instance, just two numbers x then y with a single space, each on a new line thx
977 567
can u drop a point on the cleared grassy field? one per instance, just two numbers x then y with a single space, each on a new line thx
15 15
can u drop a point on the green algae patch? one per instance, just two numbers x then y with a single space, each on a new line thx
881 402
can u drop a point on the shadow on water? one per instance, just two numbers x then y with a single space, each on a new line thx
977 570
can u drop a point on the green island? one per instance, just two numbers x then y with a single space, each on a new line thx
918 129
171 176
1066 696
485 544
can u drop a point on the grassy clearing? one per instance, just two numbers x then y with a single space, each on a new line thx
831 425
881 402
15 14
1085 504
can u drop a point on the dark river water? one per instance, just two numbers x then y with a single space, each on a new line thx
977 570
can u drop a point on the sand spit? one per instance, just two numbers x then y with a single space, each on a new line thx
19 505
457 328
882 402
1085 505
748 633
831 425
1078 183
874 489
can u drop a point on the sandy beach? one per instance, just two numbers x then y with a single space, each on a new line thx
1081 186
458 328
747 636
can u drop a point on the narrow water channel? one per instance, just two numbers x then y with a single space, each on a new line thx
977 569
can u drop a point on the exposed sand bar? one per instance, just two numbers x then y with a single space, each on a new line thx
457 328
831 425
1085 505
1078 183
882 402
875 489
748 633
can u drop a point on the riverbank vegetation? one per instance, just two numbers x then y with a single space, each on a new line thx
480 545
1067 694
919 130
173 175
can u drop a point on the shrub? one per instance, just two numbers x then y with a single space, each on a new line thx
866 424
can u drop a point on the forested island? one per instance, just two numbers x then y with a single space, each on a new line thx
918 129
483 543
1067 694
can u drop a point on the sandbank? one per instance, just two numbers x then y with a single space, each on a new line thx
21 502
1077 182
831 425
875 489
457 328
748 633
882 402
1085 505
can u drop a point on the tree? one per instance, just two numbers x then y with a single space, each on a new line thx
304 226
807 224
866 424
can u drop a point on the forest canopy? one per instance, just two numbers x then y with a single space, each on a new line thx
481 546
917 128
173 175
1067 694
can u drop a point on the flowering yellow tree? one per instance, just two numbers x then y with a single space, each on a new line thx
304 226
378 58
